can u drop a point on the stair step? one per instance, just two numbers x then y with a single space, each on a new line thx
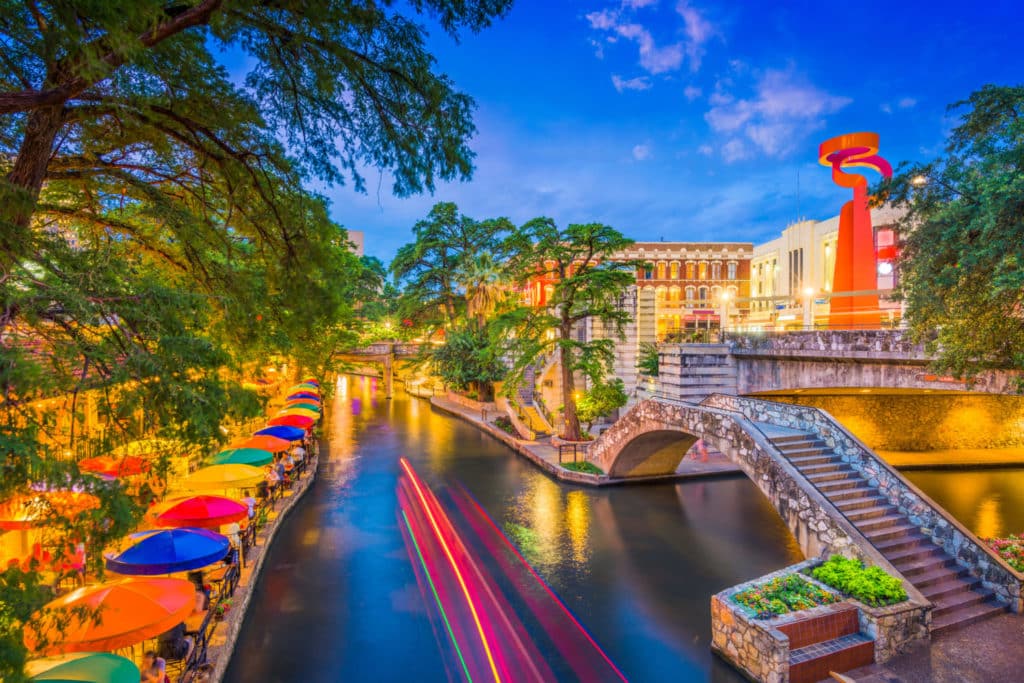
837 475
903 541
790 438
860 502
808 451
953 602
834 466
802 461
913 568
852 493
873 512
948 586
845 485
938 575
910 555
970 614
877 532
816 662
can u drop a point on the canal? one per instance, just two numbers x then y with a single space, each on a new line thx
338 599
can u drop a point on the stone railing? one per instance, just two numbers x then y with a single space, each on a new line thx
878 344
506 407
945 530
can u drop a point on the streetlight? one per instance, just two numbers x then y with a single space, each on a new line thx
808 310
919 180
724 313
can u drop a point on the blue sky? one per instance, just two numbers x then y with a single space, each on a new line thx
691 120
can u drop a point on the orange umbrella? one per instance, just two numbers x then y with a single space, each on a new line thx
115 467
264 442
27 511
110 615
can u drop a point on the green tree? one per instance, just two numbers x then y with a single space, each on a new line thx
588 286
962 260
600 399
648 362
467 360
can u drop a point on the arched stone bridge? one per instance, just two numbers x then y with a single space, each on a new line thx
383 353
834 493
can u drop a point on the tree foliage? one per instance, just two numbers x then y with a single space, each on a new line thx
588 285
962 262
600 399
468 360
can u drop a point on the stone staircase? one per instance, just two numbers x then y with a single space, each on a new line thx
532 417
825 643
959 599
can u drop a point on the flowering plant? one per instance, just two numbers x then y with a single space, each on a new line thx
222 608
1010 549
783 594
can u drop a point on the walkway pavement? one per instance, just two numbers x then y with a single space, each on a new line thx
543 453
966 457
989 651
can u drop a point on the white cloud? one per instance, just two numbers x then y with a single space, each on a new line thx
655 58
706 150
698 32
734 150
598 48
642 152
781 111
906 103
886 108
638 83
692 92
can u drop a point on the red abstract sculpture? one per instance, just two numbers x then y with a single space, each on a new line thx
856 267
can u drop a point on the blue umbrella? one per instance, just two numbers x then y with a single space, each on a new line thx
283 432
165 551
303 394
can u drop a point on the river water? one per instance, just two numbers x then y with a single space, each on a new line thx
338 599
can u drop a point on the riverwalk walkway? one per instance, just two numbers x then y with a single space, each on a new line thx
545 455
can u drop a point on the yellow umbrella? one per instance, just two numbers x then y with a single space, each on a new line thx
300 411
148 448
231 476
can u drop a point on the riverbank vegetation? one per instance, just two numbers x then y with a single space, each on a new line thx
782 595
871 585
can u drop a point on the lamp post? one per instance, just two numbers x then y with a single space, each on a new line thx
808 308
723 315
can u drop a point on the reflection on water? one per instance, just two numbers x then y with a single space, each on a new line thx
989 502
338 599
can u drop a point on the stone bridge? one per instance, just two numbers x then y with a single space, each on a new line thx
383 353
834 493
751 363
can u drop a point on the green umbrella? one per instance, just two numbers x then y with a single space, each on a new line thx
307 406
244 456
83 667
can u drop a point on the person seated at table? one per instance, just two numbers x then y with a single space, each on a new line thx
250 502
288 462
279 466
174 644
299 453
272 478
154 669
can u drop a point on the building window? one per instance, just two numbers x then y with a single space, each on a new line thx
796 271
689 270
659 294
702 270
661 270
732 270
716 293
673 294
690 292
648 273
702 294
716 271
674 270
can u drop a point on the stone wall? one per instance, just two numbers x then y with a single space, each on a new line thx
758 650
923 422
641 444
946 531
693 371
895 628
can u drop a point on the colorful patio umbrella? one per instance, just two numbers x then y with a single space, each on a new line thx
305 388
83 667
311 380
30 510
166 551
303 405
283 432
208 512
300 421
110 466
264 443
117 614
300 411
303 396
256 457
223 477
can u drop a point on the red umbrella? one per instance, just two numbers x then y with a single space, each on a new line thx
115 467
208 512
300 421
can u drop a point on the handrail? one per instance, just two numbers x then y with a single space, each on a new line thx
866 453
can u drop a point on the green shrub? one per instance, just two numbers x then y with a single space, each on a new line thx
505 424
790 593
583 466
870 585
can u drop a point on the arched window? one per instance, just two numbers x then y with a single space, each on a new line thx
716 271
659 294
673 294
690 293
716 293
689 270
732 270
702 294
702 270
661 270
733 291
674 270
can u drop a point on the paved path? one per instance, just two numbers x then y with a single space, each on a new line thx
991 651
